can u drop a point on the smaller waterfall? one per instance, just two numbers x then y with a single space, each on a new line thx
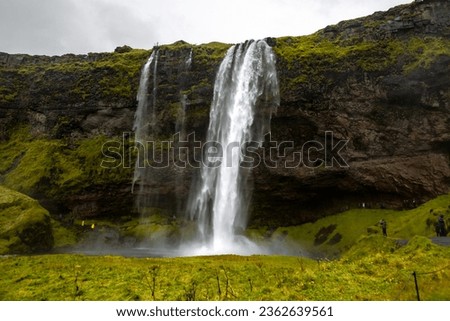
180 127
139 126
189 60
144 122
154 91
180 130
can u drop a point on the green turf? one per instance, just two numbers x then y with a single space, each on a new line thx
374 269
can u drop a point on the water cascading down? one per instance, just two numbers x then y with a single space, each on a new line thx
144 121
246 94
147 175
180 130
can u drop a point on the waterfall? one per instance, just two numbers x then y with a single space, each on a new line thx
146 129
154 90
246 94
180 126
144 121
180 130
188 62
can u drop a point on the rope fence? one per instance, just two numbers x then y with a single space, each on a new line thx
416 284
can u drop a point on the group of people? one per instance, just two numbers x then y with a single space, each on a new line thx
441 229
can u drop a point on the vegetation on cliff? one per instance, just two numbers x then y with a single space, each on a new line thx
93 76
316 60
24 225
58 167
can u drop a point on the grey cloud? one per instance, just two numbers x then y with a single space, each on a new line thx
80 26
40 25
119 24
58 27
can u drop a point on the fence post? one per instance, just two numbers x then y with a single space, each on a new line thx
417 286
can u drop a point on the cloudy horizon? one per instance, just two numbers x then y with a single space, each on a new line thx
56 27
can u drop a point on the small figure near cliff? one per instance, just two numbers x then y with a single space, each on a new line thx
441 230
383 225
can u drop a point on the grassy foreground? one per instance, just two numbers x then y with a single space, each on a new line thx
368 266
376 268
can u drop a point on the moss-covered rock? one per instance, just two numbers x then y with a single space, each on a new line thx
72 176
24 225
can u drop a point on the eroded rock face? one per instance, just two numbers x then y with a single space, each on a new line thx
397 132
378 83
394 117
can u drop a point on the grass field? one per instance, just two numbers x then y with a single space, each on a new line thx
374 269
368 267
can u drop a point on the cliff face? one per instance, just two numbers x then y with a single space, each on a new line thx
380 82
378 86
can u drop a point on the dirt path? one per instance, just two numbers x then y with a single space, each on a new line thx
443 240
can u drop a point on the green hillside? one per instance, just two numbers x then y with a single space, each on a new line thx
333 235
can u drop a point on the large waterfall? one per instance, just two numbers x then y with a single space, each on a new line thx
246 94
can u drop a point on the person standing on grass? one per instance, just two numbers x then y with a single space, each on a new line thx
383 225
440 226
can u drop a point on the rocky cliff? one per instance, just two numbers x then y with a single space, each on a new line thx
376 86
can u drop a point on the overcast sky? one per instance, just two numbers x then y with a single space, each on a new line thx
55 27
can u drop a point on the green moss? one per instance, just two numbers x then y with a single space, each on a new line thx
63 236
198 114
24 224
154 226
292 49
210 54
178 45
82 166
371 244
174 111
11 152
7 94
197 91
421 51
34 169
54 167
126 67
127 63
309 59
101 75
